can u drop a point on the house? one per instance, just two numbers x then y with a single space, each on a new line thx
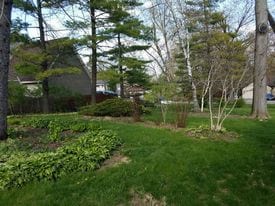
101 86
63 57
131 90
247 92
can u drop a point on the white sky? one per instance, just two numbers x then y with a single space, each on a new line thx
234 7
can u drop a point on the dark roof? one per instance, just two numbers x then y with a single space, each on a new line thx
57 49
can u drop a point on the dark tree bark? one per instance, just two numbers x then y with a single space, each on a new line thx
120 67
271 21
94 53
44 65
5 24
259 109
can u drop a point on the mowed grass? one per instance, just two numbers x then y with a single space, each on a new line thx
168 165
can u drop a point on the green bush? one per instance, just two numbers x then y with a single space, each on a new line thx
82 155
16 94
147 103
111 107
240 103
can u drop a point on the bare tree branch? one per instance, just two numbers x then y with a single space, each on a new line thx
271 21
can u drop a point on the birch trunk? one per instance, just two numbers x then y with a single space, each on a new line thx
190 75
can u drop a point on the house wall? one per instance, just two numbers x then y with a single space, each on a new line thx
247 92
101 87
79 83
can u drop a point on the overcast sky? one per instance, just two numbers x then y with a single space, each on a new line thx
55 22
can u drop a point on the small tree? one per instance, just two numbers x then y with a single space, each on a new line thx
162 92
228 67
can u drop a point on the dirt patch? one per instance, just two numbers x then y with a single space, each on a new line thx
33 132
54 145
203 132
67 133
130 120
108 118
34 139
157 125
115 160
146 199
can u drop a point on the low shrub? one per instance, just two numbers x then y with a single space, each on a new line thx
111 107
44 122
146 110
14 121
79 127
82 155
240 103
54 131
12 133
147 103
35 122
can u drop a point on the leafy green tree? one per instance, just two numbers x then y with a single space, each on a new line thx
29 57
218 58
162 92
35 9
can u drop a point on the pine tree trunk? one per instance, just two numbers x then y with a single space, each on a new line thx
5 25
259 109
120 68
94 54
44 65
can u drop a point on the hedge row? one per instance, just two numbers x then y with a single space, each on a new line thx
111 107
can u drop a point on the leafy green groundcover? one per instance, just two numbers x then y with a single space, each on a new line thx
83 154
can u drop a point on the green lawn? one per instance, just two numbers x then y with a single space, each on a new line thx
170 166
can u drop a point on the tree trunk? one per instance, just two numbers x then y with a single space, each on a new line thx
94 53
259 109
186 51
196 106
202 104
44 65
120 68
5 25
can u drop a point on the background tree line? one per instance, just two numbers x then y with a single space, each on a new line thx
194 44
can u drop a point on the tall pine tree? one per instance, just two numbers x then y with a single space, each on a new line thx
129 36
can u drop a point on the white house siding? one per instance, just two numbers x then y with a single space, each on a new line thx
247 92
